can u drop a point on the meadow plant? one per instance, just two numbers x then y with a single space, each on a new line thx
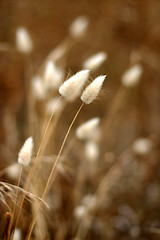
38 88
79 27
72 87
132 76
95 61
88 129
52 76
25 153
23 41
72 185
92 91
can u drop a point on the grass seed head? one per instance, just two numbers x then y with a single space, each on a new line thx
13 171
142 146
25 153
91 92
23 40
87 129
72 87
53 76
80 211
132 76
79 27
51 105
17 234
38 88
90 201
95 61
91 151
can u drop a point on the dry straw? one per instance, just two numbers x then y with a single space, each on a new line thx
24 158
53 168
34 164
70 90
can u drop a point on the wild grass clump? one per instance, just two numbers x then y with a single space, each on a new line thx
43 87
86 162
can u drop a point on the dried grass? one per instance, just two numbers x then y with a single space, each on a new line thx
63 194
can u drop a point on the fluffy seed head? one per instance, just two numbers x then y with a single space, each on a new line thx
58 53
23 40
25 153
38 88
91 151
142 146
79 27
95 61
80 211
17 234
88 129
53 76
13 171
132 76
91 92
72 87
90 201
51 105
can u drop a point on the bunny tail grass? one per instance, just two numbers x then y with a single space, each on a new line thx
50 176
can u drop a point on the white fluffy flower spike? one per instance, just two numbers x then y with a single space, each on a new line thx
51 105
79 26
95 61
132 76
91 151
53 76
88 129
91 92
17 234
13 171
72 87
23 40
25 153
142 146
38 88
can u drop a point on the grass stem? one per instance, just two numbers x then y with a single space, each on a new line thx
53 168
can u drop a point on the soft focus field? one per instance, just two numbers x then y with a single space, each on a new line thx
106 186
